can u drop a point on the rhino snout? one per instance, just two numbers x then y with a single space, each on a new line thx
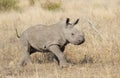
80 40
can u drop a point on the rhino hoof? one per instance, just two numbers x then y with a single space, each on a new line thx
64 65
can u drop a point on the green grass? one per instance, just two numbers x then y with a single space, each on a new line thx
51 5
32 2
6 5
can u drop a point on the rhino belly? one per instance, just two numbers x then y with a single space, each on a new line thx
37 44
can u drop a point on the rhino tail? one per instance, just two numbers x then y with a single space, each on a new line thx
17 33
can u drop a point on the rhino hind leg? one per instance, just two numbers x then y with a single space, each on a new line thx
25 58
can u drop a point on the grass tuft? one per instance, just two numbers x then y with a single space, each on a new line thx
6 5
32 2
51 5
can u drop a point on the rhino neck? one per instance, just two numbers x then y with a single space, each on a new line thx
60 28
63 47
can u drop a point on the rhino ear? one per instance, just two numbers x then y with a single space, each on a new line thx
76 21
67 21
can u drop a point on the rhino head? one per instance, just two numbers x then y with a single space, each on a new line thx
71 34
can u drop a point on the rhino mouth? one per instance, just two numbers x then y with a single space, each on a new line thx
80 42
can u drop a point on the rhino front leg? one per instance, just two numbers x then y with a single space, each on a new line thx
56 50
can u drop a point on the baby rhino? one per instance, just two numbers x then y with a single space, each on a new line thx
51 38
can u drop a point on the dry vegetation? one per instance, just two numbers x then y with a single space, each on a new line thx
98 57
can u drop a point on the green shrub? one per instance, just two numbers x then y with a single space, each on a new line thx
32 2
51 5
8 4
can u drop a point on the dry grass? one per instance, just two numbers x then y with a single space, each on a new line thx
102 52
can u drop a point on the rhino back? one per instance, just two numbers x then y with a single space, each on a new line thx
41 37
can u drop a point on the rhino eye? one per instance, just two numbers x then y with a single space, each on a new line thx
72 34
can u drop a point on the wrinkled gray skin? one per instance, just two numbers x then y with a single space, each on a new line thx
52 38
